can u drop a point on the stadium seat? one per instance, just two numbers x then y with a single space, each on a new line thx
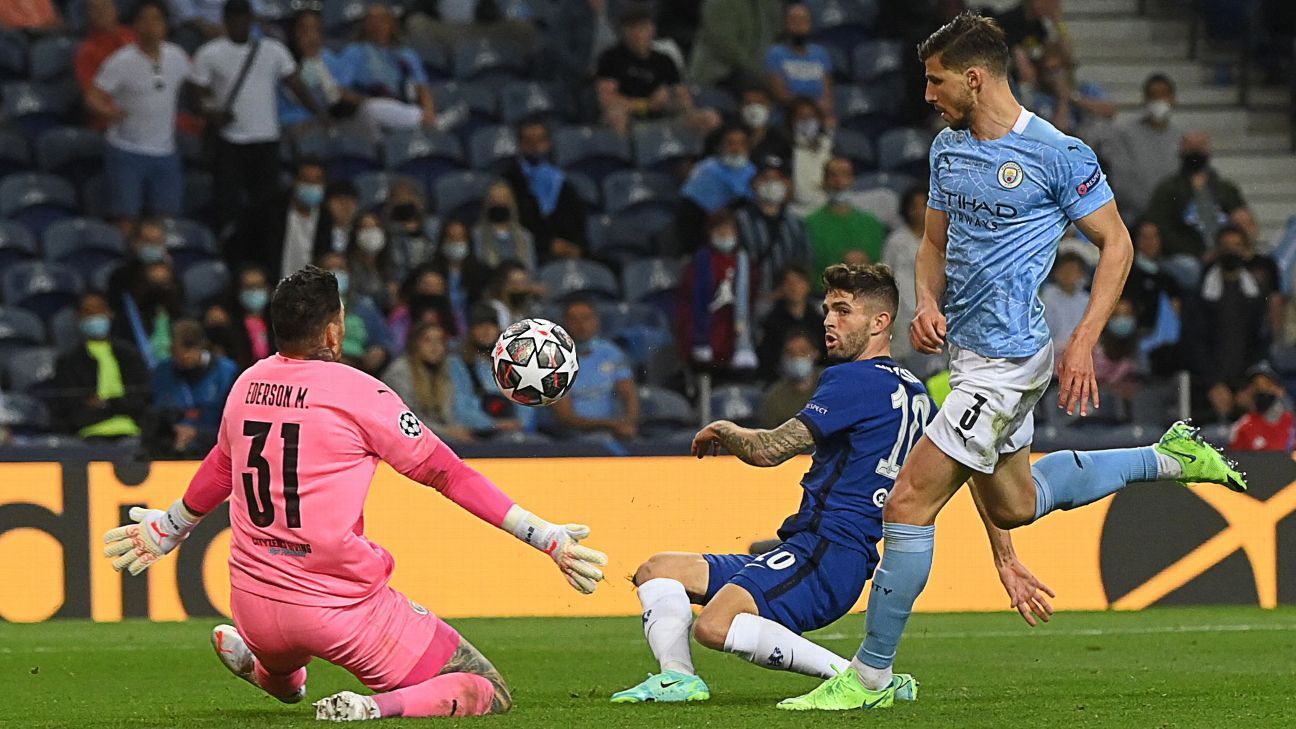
587 190
661 409
739 403
190 242
199 195
95 202
342 17
30 368
492 147
904 150
205 282
65 329
614 240
485 60
661 147
51 57
522 99
459 194
75 153
877 60
712 97
856 147
37 199
24 414
345 155
15 153
592 151
435 58
864 110
479 99
20 330
893 181
563 279
42 288
374 187
424 155
843 24
37 107
84 244
17 244
13 55
632 189
639 329
645 280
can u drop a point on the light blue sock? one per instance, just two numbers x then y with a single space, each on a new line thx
1067 479
906 563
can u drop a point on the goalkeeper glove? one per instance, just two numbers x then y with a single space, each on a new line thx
579 564
157 533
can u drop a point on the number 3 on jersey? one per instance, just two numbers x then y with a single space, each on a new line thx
260 505
914 413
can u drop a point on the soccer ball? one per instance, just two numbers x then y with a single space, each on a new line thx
534 362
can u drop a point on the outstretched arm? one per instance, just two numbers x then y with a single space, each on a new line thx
755 447
1024 589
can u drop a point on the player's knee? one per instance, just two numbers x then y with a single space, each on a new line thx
658 565
901 504
711 629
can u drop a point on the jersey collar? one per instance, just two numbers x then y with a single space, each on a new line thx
1023 119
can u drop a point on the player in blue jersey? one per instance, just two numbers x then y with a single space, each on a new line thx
1005 184
862 421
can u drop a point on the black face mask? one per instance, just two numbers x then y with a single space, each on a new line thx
405 212
1194 163
497 214
798 39
535 159
1264 401
517 300
1230 262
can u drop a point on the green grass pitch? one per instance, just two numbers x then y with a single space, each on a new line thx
1181 668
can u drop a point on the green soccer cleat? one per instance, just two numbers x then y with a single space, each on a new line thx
905 685
1201 461
670 686
842 693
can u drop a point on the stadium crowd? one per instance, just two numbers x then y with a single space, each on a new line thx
665 180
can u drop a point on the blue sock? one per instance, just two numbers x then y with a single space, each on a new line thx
1067 479
906 563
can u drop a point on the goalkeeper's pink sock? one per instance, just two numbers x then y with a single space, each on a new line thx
451 694
279 685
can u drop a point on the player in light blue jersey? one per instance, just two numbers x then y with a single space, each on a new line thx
1005 184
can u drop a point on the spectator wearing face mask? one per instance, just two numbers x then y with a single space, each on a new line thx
757 114
512 293
798 376
368 343
422 297
812 143
100 388
287 231
499 235
411 236
794 311
1268 424
147 307
466 277
1157 300
716 298
798 68
1117 355
1192 205
716 182
1065 298
240 327
421 377
1142 152
341 207
839 227
189 391
369 261
605 400
771 235
477 401
148 246
549 206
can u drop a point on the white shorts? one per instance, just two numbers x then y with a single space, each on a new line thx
990 409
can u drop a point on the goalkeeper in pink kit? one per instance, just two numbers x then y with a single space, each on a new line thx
299 442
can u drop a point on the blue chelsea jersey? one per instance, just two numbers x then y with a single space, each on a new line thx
1009 200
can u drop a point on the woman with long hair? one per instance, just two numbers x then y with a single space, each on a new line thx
499 236
369 258
421 377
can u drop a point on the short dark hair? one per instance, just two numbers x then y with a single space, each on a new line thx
970 39
871 281
908 196
307 160
579 300
1158 78
236 8
159 4
531 120
790 269
188 334
635 13
302 306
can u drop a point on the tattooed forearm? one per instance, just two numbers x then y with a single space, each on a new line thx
766 447
467 659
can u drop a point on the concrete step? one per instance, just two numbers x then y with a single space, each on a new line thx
1270 213
1277 144
1100 31
1141 52
1115 71
1099 8
1278 170
1130 94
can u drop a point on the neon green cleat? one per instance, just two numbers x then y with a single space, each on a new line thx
1201 461
906 687
842 693
670 686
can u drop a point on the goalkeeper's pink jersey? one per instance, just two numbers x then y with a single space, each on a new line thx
299 442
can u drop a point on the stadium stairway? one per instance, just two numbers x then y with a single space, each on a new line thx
1117 48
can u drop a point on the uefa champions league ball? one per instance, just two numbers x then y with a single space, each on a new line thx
534 362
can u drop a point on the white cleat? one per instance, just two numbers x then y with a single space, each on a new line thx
346 706
233 652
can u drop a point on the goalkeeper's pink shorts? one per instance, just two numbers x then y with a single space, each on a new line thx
387 640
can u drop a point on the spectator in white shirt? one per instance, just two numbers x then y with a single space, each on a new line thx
900 253
1065 299
246 115
136 91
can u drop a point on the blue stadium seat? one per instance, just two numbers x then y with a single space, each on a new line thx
661 147
424 155
843 24
17 244
856 147
639 329
435 57
374 187
578 277
190 242
24 414
877 60
199 195
593 151
522 99
13 55
587 189
479 99
37 199
649 279
204 283
37 107
485 60
84 244
31 368
19 330
15 153
661 409
95 201
712 97
492 147
632 189
342 17
864 110
893 181
75 153
738 403
617 241
42 288
65 329
51 57
345 155
459 194
904 150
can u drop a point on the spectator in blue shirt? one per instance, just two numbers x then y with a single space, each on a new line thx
716 182
478 405
189 390
389 74
798 67
603 398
